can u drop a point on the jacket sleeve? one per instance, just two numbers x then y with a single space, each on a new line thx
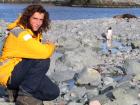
29 47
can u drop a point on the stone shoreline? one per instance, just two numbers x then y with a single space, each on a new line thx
93 4
86 69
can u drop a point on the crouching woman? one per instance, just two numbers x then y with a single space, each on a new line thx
25 59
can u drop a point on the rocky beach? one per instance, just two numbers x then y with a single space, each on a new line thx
86 69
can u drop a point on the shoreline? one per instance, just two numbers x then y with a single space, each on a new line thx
84 68
84 59
76 5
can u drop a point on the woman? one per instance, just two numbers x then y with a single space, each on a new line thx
25 59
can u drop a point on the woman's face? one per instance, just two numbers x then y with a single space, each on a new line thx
36 20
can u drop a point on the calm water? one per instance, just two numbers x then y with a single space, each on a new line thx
10 12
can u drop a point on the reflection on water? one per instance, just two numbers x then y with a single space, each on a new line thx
71 83
115 47
9 12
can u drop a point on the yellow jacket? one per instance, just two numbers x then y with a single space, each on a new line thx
21 43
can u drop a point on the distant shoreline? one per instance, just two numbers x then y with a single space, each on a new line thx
93 6
77 5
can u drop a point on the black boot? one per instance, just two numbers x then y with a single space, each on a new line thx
25 98
28 100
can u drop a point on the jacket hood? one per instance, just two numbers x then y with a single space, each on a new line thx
16 23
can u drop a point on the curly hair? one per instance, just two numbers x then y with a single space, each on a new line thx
29 11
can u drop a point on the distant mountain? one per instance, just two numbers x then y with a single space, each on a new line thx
86 3
100 3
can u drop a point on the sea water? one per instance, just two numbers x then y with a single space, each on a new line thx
10 12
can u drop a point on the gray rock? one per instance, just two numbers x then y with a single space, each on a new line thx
132 66
89 76
75 103
61 76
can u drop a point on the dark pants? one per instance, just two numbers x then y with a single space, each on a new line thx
30 75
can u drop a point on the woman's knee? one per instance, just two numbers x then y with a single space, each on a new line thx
56 92
47 89
53 93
